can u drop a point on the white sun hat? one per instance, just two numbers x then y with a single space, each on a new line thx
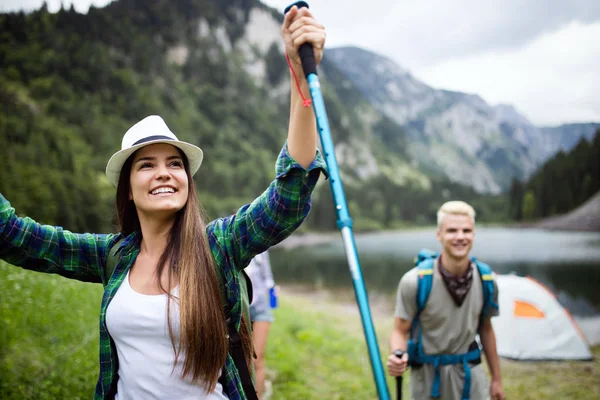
150 130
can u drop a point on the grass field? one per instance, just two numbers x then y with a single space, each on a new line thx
49 347
320 312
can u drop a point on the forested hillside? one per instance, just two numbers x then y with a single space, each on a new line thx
71 84
563 183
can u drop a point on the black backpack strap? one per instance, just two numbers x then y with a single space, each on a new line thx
111 261
237 353
235 344
249 288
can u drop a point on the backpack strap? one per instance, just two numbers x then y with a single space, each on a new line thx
424 263
425 254
112 260
235 343
424 283
487 281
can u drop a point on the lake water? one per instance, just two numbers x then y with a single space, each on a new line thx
567 262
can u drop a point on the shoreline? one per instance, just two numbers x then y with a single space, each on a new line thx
343 302
311 238
307 239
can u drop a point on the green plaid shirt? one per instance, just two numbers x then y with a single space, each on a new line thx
234 241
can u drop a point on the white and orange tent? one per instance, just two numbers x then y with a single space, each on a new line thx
533 325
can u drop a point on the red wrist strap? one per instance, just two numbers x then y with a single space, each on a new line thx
305 102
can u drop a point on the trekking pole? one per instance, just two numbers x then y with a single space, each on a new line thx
344 222
399 354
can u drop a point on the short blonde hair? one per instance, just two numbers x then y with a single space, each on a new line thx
455 208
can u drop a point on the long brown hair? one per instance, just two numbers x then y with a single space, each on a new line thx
203 331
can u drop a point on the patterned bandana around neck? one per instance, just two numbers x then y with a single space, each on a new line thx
458 286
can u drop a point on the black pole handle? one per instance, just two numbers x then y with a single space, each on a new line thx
306 53
399 354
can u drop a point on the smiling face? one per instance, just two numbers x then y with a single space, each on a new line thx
158 180
456 234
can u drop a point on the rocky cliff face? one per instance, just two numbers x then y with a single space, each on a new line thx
456 134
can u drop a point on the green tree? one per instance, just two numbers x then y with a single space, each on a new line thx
516 200
529 209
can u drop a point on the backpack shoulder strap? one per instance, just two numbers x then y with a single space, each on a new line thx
424 282
425 254
111 261
235 345
424 263
247 289
487 281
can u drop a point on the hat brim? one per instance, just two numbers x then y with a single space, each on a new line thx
193 153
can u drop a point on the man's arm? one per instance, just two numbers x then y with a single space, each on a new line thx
400 333
488 341
398 341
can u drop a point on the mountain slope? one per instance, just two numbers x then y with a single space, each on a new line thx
563 183
71 84
454 134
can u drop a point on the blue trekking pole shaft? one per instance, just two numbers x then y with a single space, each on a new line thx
344 222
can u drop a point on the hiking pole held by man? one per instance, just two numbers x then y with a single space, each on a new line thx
294 13
399 354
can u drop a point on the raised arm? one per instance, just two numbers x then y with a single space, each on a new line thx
270 218
299 27
44 248
283 206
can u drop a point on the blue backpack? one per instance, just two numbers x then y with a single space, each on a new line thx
424 262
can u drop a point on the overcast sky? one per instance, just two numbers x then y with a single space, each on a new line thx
542 56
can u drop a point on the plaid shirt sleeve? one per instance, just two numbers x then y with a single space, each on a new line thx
269 219
274 215
45 248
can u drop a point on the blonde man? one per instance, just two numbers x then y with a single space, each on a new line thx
442 324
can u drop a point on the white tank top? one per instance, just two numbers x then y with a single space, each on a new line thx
138 325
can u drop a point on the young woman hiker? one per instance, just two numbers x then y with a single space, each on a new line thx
163 329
